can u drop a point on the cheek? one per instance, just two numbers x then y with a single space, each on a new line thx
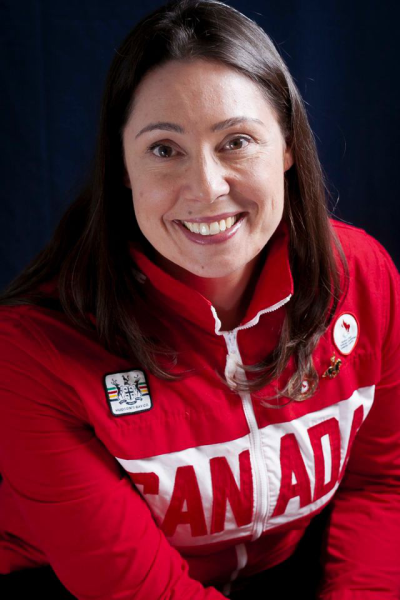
263 170
151 202
267 191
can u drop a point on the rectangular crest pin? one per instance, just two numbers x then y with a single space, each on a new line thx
127 392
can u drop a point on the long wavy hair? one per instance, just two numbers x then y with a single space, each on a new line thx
89 252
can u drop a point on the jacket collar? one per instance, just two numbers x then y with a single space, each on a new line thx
274 287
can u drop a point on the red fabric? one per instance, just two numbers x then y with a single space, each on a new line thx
230 483
362 556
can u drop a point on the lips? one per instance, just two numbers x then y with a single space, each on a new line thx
210 230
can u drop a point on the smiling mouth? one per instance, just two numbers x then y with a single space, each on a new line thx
211 228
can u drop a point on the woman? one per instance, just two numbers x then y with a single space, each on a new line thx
200 357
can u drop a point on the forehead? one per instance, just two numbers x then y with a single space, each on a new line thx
198 90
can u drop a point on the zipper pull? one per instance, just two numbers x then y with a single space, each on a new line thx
232 359
231 342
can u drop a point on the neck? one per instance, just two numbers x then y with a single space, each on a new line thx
230 295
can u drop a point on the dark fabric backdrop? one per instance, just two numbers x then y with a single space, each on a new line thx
53 61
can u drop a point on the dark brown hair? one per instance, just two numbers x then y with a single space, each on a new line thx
89 252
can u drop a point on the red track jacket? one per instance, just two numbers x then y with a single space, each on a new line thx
136 488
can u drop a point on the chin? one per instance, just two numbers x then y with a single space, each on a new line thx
214 271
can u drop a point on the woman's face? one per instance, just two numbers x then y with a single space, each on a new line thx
205 159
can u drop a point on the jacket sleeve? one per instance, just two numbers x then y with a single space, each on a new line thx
361 553
85 515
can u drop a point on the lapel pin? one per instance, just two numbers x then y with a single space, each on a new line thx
334 368
346 332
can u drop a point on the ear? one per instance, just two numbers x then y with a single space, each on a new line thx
287 159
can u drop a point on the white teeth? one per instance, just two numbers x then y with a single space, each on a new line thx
214 228
204 229
211 228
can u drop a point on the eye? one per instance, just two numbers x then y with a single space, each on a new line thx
162 150
238 143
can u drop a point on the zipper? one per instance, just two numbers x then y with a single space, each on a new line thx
261 490
251 323
263 312
260 470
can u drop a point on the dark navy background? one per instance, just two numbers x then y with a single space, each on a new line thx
54 57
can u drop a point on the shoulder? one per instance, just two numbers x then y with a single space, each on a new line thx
40 349
42 341
48 367
32 357
48 339
32 329
357 243
366 257
373 283
19 327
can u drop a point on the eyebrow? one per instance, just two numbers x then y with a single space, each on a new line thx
167 126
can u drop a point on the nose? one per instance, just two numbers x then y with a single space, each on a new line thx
205 179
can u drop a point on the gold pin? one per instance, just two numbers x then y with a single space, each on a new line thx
334 369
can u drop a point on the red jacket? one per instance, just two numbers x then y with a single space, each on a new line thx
134 487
